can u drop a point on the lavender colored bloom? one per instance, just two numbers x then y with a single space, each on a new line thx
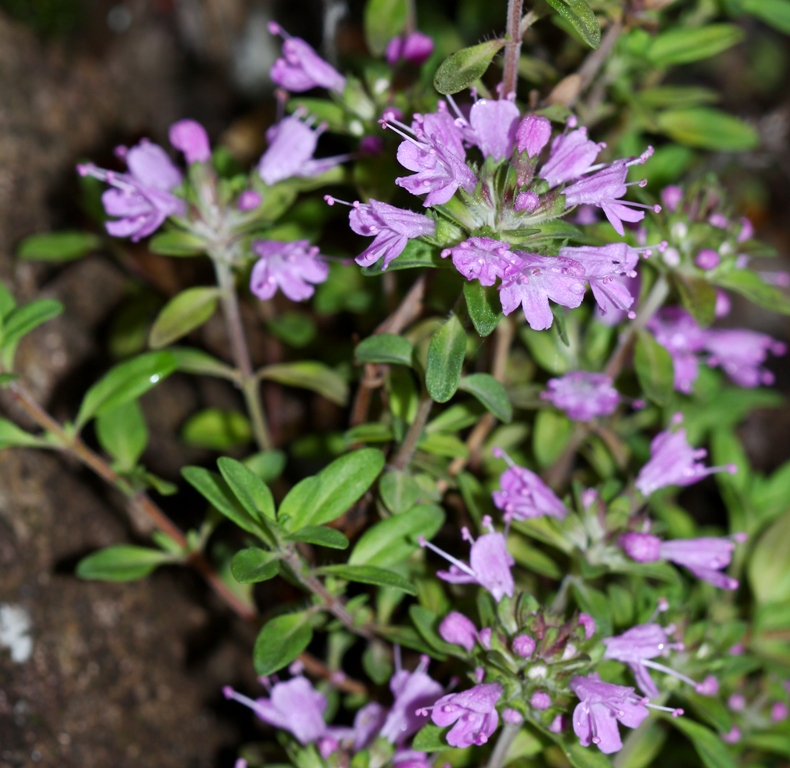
291 267
301 68
741 354
480 258
532 135
512 716
524 495
747 230
458 630
249 200
779 711
678 332
601 266
390 227
485 636
530 280
191 138
294 706
416 48
292 143
526 201
494 125
588 622
142 197
733 736
524 646
704 557
707 259
472 712
604 189
736 702
408 758
540 700
708 687
718 220
367 724
582 395
601 705
558 724
489 563
572 154
671 197
412 691
435 152
674 462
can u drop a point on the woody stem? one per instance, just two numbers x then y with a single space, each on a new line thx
512 47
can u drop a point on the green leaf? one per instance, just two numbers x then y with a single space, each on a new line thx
750 285
309 375
126 381
398 490
177 243
552 432
490 393
416 255
584 757
698 297
268 465
430 738
123 433
124 562
384 348
296 329
711 749
581 17
681 46
200 363
320 535
7 378
11 436
464 67
324 497
394 539
7 302
445 360
549 352
449 446
281 641
482 303
708 128
216 490
216 429
369 574
58 246
22 321
677 96
251 565
769 564
182 314
775 13
384 19
248 488
654 368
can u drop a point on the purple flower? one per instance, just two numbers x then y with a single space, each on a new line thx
677 331
736 702
540 700
249 200
524 495
779 711
291 267
601 705
408 758
367 724
532 135
512 716
390 227
747 230
458 630
741 354
588 622
526 201
412 691
524 646
674 462
733 736
480 258
671 197
294 706
416 48
473 712
531 280
707 259
292 143
141 198
572 154
301 68
582 395
435 152
489 563
704 557
604 189
494 126
602 265
191 138
637 647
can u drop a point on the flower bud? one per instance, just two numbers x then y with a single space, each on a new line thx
642 547
249 200
588 622
532 134
540 700
458 630
191 138
707 259
524 646
512 716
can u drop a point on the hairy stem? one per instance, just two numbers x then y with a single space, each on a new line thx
409 444
512 47
503 744
250 387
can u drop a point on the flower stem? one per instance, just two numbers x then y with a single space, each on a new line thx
512 47
503 744
250 387
409 444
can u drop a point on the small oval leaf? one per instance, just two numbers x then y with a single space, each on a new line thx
490 393
124 562
654 369
708 129
369 574
182 314
252 565
384 348
445 360
464 67
281 641
58 246
320 535
581 17
482 303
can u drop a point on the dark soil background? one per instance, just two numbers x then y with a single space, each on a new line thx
129 675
